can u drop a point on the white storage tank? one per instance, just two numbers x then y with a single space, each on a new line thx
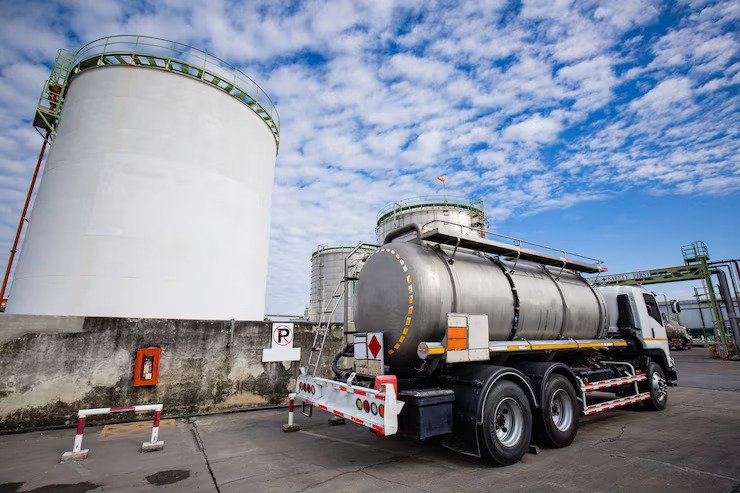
327 271
155 201
433 211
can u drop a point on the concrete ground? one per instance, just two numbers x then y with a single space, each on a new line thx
694 445
698 370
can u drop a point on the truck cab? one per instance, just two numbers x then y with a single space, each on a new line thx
634 313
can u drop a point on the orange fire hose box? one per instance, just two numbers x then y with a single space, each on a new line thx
146 369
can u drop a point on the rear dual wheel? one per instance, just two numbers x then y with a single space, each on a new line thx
507 424
508 421
556 422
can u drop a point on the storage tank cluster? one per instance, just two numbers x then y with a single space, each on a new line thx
327 271
155 200
433 211
327 261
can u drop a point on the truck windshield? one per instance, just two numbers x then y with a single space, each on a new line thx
652 308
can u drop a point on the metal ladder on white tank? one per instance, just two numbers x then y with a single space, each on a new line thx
319 338
327 315
322 331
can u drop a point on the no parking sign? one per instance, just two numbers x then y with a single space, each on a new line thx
282 344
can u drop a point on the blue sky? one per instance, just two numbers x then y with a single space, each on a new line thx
609 128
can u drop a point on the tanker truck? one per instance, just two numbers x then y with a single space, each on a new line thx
488 343
678 335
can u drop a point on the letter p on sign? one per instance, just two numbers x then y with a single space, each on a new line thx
281 348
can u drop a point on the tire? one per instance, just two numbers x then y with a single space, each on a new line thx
507 424
657 385
556 422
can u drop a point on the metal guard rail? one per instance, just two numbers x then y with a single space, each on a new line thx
157 53
518 242
401 205
341 246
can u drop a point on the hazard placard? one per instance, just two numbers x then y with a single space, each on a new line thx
281 348
369 346
369 352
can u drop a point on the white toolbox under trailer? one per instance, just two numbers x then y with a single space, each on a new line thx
489 398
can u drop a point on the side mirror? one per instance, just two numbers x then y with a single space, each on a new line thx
675 306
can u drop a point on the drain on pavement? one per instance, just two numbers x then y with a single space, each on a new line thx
168 477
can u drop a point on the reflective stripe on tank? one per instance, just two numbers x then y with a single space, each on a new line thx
410 300
540 345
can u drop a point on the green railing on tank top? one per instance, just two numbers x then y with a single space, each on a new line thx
154 53
475 206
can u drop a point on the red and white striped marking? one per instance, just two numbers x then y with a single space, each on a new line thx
603 406
291 426
376 408
291 408
355 419
82 415
380 397
614 382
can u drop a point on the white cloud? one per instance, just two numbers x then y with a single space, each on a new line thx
626 14
557 9
716 185
419 69
536 129
668 94
532 108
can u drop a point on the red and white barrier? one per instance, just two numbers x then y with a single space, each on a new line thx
291 409
154 443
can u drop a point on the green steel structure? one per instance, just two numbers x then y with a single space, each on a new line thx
701 296
151 53
696 257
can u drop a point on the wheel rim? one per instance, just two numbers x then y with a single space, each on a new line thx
660 388
508 420
561 410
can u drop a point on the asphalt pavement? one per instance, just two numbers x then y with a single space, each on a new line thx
693 445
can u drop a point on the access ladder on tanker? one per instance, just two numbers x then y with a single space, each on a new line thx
325 319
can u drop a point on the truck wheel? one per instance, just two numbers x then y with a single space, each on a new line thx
507 424
657 386
557 419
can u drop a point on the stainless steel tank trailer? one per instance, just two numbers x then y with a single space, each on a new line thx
678 335
487 342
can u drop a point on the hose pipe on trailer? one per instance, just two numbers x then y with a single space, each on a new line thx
343 373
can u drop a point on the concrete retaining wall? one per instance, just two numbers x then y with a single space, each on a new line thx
53 366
